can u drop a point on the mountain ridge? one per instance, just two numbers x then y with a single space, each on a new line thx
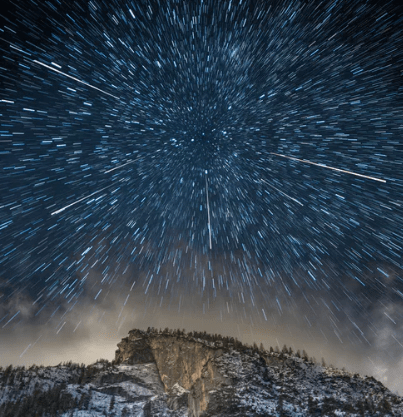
171 373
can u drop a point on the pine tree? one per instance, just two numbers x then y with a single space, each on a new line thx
125 412
280 406
385 406
112 403
7 373
311 405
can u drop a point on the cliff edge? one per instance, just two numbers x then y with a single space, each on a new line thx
185 364
177 374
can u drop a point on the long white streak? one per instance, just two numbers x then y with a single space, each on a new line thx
282 192
22 354
325 166
77 326
61 327
74 78
208 215
121 166
81 199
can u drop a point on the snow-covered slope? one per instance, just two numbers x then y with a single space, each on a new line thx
175 374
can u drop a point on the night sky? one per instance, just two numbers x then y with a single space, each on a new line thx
228 166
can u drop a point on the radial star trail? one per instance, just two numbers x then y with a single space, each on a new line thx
134 133
79 200
120 166
282 192
74 78
208 215
325 166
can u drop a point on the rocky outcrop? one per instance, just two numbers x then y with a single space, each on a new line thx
173 374
134 350
183 363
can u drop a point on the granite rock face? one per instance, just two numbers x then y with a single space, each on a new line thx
182 362
173 374
134 350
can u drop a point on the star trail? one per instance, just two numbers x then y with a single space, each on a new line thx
235 158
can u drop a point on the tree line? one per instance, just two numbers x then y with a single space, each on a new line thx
226 342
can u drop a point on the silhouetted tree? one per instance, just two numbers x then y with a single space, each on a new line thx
125 412
280 406
112 403
385 406
312 406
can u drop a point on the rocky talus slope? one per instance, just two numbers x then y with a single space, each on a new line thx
173 374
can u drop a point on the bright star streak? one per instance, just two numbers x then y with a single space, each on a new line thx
281 192
208 214
325 166
81 199
74 78
121 166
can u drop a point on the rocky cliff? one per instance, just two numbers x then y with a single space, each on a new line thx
173 374
181 360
